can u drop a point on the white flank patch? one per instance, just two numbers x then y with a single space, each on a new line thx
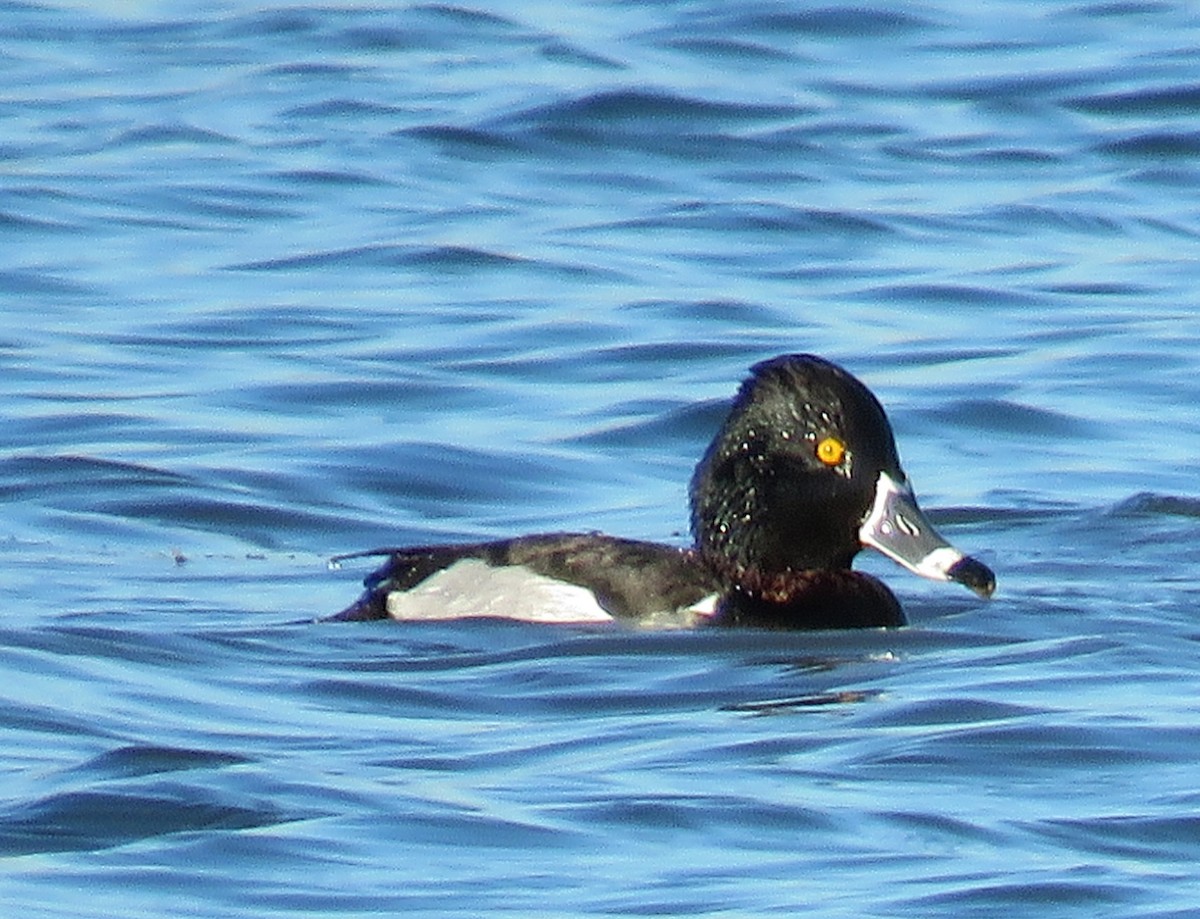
689 617
473 588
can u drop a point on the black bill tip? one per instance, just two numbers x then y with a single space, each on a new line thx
974 574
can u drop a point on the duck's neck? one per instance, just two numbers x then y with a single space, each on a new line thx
840 599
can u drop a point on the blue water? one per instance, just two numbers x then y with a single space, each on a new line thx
280 282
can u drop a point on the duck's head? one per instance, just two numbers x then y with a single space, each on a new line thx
804 474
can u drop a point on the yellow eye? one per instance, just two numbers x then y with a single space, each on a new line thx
830 451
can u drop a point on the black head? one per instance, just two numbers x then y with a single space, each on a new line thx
802 475
791 475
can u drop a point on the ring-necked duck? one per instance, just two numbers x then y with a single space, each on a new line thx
800 477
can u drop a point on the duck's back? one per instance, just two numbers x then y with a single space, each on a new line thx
556 577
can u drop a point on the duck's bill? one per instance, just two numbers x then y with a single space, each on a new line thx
898 529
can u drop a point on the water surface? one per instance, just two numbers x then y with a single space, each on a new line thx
280 282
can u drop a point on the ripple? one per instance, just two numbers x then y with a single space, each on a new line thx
1154 839
259 522
79 821
159 134
38 474
959 294
132 761
1149 504
431 474
261 328
631 107
431 258
832 22
635 119
1155 145
1002 416
1171 100
960 710
289 23
731 49
430 27
1019 89
565 52
689 424
19 223
43 283
1032 748
1028 893
343 108
758 218
465 140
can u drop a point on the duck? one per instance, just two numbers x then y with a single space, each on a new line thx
802 475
